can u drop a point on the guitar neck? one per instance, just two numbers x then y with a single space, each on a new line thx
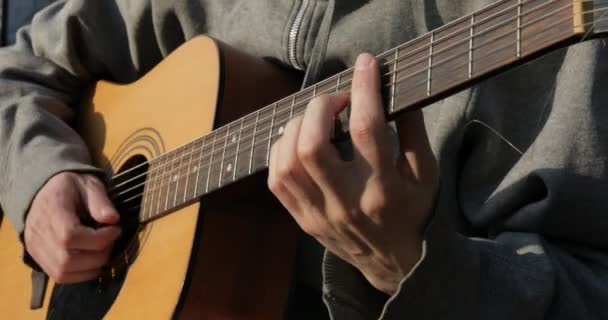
417 73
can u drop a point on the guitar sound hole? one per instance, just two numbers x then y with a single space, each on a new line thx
93 299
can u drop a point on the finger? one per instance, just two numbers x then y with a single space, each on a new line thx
367 121
96 201
416 157
65 265
89 239
68 231
39 250
71 261
75 277
276 185
290 170
314 148
66 222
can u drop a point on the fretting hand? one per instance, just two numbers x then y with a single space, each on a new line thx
370 211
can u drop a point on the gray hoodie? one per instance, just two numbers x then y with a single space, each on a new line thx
519 230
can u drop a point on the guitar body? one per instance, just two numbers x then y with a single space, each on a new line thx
227 257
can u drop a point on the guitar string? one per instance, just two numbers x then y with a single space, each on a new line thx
230 156
195 149
265 140
214 172
264 129
246 148
392 60
347 82
205 145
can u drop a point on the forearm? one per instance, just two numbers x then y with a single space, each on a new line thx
42 79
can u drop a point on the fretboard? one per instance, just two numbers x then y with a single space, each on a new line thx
414 74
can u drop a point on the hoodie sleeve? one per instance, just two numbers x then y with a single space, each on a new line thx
511 274
43 76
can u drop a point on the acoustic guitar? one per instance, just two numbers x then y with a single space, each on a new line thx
201 124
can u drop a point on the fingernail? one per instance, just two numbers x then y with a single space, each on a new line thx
363 61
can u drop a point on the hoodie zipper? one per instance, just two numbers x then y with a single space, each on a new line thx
294 32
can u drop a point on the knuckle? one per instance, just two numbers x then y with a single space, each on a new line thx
92 181
344 218
362 129
287 171
311 229
64 260
275 185
283 172
59 277
309 150
376 205
65 237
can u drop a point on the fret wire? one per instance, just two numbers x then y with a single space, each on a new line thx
179 174
428 87
255 129
222 159
274 111
394 85
156 182
293 103
198 166
210 163
148 188
162 176
144 202
144 199
519 7
471 44
189 172
238 146
171 168
333 124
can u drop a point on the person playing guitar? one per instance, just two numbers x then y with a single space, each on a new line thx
486 204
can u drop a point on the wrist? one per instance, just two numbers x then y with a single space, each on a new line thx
390 271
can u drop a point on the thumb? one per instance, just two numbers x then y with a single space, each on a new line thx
417 159
96 202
